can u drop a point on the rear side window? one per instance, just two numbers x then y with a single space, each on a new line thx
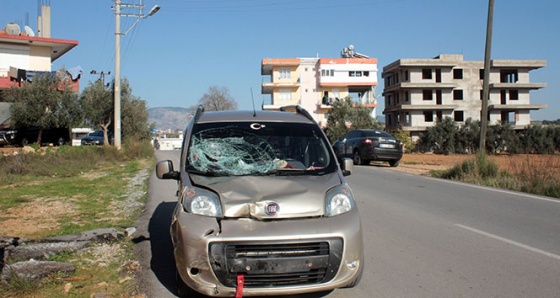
377 134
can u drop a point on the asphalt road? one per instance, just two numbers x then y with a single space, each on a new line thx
423 237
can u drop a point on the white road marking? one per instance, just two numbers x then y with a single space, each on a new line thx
508 241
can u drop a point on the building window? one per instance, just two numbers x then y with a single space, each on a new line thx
389 81
481 74
354 73
458 94
481 94
457 74
406 96
459 116
285 95
407 118
284 73
426 74
366 73
428 116
336 93
406 75
513 94
427 94
327 72
508 76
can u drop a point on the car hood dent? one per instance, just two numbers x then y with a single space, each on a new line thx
248 196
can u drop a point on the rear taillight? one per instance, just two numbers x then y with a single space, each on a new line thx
367 141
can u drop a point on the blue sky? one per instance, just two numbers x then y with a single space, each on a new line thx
173 57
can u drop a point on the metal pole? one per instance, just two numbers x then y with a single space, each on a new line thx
117 91
486 82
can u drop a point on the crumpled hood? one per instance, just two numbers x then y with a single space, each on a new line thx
249 196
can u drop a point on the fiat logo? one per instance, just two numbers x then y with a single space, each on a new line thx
272 208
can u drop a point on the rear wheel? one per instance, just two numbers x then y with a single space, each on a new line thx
394 162
24 142
61 141
357 158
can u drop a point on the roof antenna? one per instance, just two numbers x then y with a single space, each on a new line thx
253 99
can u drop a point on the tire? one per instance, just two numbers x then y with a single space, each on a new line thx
61 141
357 158
24 142
393 163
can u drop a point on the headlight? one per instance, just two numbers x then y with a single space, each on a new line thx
339 200
202 202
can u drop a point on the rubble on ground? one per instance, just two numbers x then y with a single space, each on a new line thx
27 259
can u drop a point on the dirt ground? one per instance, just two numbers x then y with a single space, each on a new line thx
422 164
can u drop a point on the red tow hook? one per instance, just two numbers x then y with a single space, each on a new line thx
240 285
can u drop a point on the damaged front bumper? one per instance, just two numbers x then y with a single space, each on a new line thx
271 257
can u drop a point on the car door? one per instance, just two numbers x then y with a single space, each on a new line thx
349 139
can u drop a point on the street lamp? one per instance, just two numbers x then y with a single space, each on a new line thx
117 85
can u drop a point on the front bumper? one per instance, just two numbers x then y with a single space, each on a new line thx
274 257
6 139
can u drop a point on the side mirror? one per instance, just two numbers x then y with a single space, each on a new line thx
164 170
347 166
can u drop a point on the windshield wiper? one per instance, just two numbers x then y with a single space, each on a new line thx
287 172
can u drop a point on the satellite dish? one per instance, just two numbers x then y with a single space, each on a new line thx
29 31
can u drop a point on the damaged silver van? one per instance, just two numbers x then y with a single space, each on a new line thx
263 207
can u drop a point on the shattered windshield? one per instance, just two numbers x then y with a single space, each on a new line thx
249 148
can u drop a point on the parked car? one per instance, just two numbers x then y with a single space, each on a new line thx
28 135
365 145
263 207
95 137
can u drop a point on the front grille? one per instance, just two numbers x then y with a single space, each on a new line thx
276 264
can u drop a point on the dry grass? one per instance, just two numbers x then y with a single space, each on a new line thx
531 173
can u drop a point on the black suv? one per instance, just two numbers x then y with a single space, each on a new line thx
365 145
28 135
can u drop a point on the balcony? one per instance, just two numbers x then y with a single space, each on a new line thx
269 87
6 81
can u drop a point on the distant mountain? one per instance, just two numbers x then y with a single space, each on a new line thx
169 117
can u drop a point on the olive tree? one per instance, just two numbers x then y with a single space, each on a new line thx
45 102
97 103
346 115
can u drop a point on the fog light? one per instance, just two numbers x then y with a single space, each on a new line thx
352 264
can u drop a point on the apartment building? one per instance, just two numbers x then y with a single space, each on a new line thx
315 83
418 92
25 53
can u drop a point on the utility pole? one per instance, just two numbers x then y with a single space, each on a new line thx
486 82
102 75
117 84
